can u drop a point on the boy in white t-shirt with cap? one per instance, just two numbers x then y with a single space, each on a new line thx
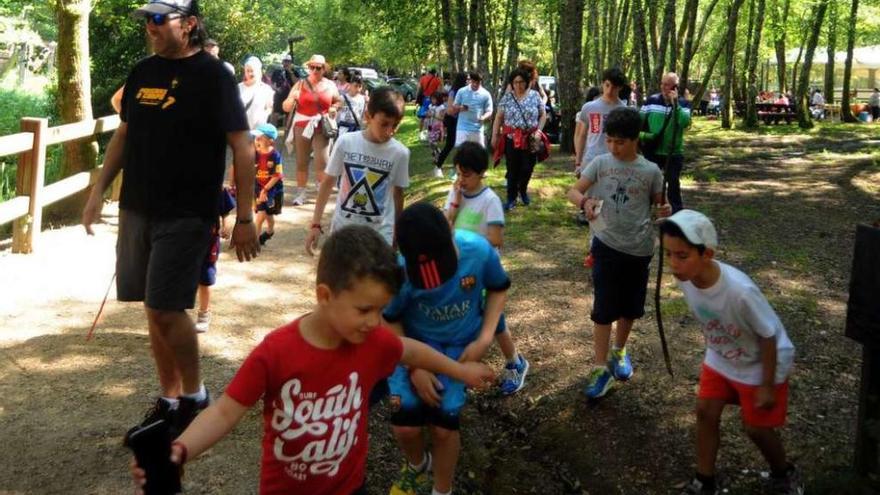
748 353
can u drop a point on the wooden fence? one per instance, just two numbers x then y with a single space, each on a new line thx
26 208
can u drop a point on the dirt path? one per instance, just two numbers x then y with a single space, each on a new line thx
786 212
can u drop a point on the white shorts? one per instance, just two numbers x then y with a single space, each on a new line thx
473 136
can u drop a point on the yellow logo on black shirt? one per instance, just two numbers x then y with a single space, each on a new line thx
154 97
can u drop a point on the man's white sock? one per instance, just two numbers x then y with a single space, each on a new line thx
199 396
435 491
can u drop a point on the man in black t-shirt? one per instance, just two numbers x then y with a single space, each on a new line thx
282 80
180 109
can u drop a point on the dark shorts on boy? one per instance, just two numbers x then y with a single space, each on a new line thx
273 203
620 284
409 410
159 261
715 386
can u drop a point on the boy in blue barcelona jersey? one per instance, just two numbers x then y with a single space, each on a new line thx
440 304
473 206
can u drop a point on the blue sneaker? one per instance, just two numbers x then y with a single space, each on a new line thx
509 205
526 200
599 383
620 364
514 376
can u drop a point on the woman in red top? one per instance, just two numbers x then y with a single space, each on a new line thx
308 100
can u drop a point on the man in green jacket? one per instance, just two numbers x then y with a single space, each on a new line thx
665 116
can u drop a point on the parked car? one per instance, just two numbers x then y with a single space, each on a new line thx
409 88
372 83
366 72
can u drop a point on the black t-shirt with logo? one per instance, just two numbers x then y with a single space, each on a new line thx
178 113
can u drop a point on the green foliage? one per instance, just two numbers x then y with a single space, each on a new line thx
13 106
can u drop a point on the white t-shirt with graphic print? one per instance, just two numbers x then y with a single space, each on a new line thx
369 172
476 213
735 314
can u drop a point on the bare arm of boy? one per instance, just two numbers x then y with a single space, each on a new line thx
494 306
577 196
419 356
398 209
205 431
496 127
765 398
455 204
315 230
244 234
495 235
580 139
664 209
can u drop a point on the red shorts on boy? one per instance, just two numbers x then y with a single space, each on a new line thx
714 385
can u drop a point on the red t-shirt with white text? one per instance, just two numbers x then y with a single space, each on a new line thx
315 405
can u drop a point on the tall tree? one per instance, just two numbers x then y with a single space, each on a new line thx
845 111
74 90
688 27
571 29
830 48
779 10
448 36
460 31
803 107
512 47
667 37
751 119
730 61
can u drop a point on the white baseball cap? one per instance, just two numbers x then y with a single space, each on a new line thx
696 227
165 7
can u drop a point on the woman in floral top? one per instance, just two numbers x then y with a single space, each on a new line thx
520 115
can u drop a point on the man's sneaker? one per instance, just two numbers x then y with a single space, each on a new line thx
160 410
514 376
791 484
203 321
598 384
300 198
412 482
526 200
438 173
620 364
187 410
696 487
509 205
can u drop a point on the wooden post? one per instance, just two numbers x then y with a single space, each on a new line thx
30 177
863 325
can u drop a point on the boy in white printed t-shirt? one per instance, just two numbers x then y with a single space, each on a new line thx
473 206
748 353
589 137
374 170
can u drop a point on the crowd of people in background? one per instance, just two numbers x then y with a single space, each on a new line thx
426 318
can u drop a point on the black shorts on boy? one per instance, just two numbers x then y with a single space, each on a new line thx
620 284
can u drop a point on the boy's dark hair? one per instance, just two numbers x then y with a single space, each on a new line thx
671 229
439 95
386 100
625 92
472 156
475 76
623 122
524 74
356 252
355 79
615 76
592 93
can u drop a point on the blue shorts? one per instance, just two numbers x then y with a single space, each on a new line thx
274 201
620 284
408 406
208 273
502 323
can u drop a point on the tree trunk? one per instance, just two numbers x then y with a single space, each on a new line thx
846 114
448 36
473 17
713 60
621 34
74 99
689 26
571 29
482 39
460 31
666 39
805 120
640 40
778 22
512 49
829 52
752 67
729 76
593 35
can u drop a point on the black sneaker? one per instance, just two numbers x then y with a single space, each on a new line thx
265 236
160 410
187 410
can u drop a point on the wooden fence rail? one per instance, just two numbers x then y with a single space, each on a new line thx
25 210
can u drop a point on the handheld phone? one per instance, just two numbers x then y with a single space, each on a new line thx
152 450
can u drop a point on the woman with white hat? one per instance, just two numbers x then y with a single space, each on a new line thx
309 99
256 96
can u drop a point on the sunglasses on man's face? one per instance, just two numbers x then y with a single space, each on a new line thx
160 19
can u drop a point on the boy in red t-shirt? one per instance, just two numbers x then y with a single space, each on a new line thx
314 376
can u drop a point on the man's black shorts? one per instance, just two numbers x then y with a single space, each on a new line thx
159 261
620 284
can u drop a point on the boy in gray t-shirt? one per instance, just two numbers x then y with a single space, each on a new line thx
589 136
624 186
